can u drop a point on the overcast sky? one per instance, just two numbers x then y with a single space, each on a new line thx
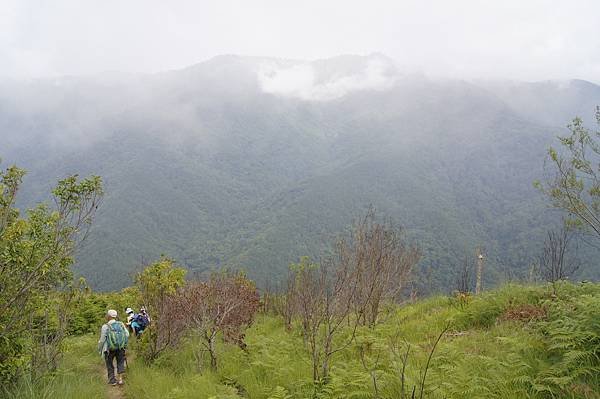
516 39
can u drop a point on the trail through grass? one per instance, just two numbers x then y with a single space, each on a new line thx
112 392
514 342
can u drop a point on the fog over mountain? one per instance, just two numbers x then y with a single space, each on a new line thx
465 39
251 162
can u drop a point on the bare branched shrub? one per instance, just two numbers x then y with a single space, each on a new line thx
555 261
464 280
289 302
347 289
381 262
225 304
323 294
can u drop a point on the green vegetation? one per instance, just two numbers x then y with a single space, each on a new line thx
78 377
575 187
36 288
514 342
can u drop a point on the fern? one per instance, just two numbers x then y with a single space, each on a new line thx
279 393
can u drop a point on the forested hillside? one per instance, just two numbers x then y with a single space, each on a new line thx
240 162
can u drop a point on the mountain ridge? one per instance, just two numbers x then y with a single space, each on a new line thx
210 169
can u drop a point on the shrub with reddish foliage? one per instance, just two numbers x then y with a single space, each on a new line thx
226 304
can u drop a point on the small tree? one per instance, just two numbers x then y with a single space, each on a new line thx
346 290
305 295
35 258
575 186
282 302
225 304
323 295
380 261
555 260
288 300
50 324
464 280
157 283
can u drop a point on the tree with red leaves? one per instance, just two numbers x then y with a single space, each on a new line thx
225 304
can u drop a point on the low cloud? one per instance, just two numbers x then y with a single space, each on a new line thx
305 81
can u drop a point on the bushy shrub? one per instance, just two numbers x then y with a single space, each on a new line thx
89 311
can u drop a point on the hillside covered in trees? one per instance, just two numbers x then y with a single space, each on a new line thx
347 325
224 164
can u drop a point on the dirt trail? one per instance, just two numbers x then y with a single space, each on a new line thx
117 391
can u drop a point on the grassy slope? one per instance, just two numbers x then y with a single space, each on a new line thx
77 378
495 348
487 353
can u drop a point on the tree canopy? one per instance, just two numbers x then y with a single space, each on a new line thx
36 252
575 185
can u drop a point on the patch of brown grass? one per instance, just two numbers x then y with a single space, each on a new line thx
524 313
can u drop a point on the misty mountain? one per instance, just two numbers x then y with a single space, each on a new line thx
251 162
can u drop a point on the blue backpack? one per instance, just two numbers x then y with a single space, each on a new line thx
141 320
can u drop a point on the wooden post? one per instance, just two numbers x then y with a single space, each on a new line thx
480 259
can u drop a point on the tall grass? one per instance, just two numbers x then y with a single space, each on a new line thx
489 351
78 376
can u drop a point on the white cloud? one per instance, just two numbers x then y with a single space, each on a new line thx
300 80
515 39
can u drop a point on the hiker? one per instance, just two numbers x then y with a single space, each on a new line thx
130 317
145 315
112 345
137 323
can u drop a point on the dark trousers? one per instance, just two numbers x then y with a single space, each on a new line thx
109 358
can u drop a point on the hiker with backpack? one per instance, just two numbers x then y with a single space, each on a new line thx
130 317
112 345
142 319
137 323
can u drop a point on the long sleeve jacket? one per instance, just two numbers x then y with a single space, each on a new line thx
102 344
